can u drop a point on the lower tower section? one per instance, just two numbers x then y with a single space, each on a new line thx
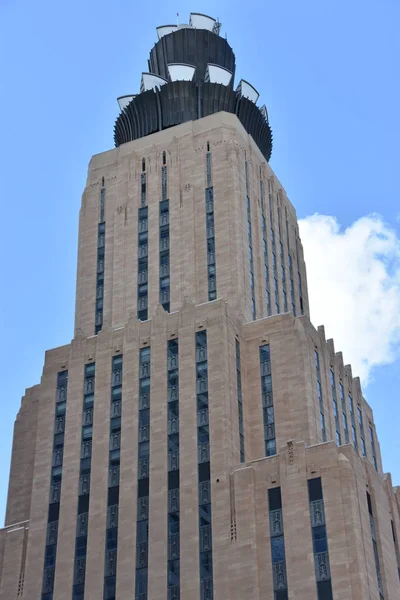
186 496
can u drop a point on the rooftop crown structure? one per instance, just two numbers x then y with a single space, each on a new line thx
198 438
191 75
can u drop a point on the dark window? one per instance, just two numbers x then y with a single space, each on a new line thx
319 539
324 590
320 542
141 582
173 523
315 489
278 549
275 499
204 472
50 556
109 588
173 573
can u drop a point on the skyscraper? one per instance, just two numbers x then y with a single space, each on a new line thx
198 438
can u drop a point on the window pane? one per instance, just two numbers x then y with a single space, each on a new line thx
278 549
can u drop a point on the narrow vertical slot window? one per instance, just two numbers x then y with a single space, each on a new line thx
375 546
274 263
143 250
267 401
320 398
204 475
353 422
320 539
114 455
299 279
335 407
396 548
344 414
279 577
164 255
210 230
78 591
290 265
250 240
101 243
142 525
282 259
372 440
265 249
55 487
240 401
173 566
362 434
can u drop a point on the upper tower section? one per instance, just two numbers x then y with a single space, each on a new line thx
196 45
191 75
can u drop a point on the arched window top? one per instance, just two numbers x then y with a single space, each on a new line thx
102 182
208 146
164 158
143 164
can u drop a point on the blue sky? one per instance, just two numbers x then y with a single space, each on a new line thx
328 72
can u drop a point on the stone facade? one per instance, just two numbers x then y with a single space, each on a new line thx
186 148
302 389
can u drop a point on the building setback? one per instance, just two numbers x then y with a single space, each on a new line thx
198 439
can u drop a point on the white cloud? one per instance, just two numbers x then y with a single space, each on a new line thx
354 287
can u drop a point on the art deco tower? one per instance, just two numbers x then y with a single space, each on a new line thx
198 439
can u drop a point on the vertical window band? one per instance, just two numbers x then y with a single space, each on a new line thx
250 240
143 249
274 263
265 249
375 547
362 434
320 540
299 278
267 401
344 414
320 398
290 265
164 255
282 258
278 555
353 422
372 440
240 401
335 407
210 227
165 288
101 242
110 561
142 525
55 487
173 566
78 591
396 549
204 476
